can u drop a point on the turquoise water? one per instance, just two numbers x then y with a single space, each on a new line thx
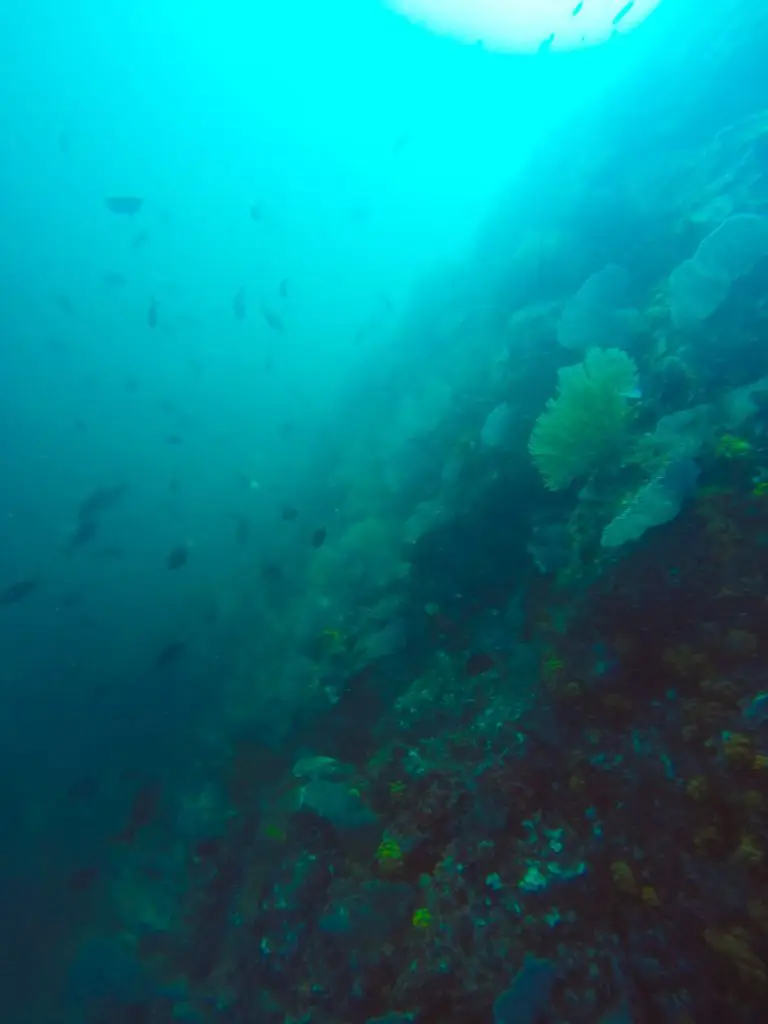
266 274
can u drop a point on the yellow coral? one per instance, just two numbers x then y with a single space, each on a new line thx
422 918
732 447
738 749
697 788
389 855
735 946
748 851
584 427
650 897
623 877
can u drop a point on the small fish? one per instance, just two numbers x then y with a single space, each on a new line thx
177 558
124 205
401 143
246 481
206 849
169 655
17 592
111 551
478 663
257 213
242 530
101 500
238 305
318 537
284 288
546 45
577 9
273 320
174 439
623 12
152 874
358 214
271 573
113 279
65 305
83 534
139 239
152 315
142 811
288 513
86 787
82 880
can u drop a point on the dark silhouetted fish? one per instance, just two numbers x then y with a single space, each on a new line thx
114 279
318 537
17 592
623 12
358 214
284 288
401 143
478 663
288 513
139 239
65 305
207 849
242 530
577 9
257 213
125 205
85 788
238 305
103 499
152 315
98 693
272 573
112 551
83 534
82 880
143 810
174 439
177 558
169 655
273 320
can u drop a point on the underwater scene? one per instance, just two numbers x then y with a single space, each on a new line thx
384 506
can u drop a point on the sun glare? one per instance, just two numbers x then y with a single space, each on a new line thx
528 25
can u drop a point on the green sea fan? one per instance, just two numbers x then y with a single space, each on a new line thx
584 427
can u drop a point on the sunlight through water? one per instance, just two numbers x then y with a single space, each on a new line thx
528 25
